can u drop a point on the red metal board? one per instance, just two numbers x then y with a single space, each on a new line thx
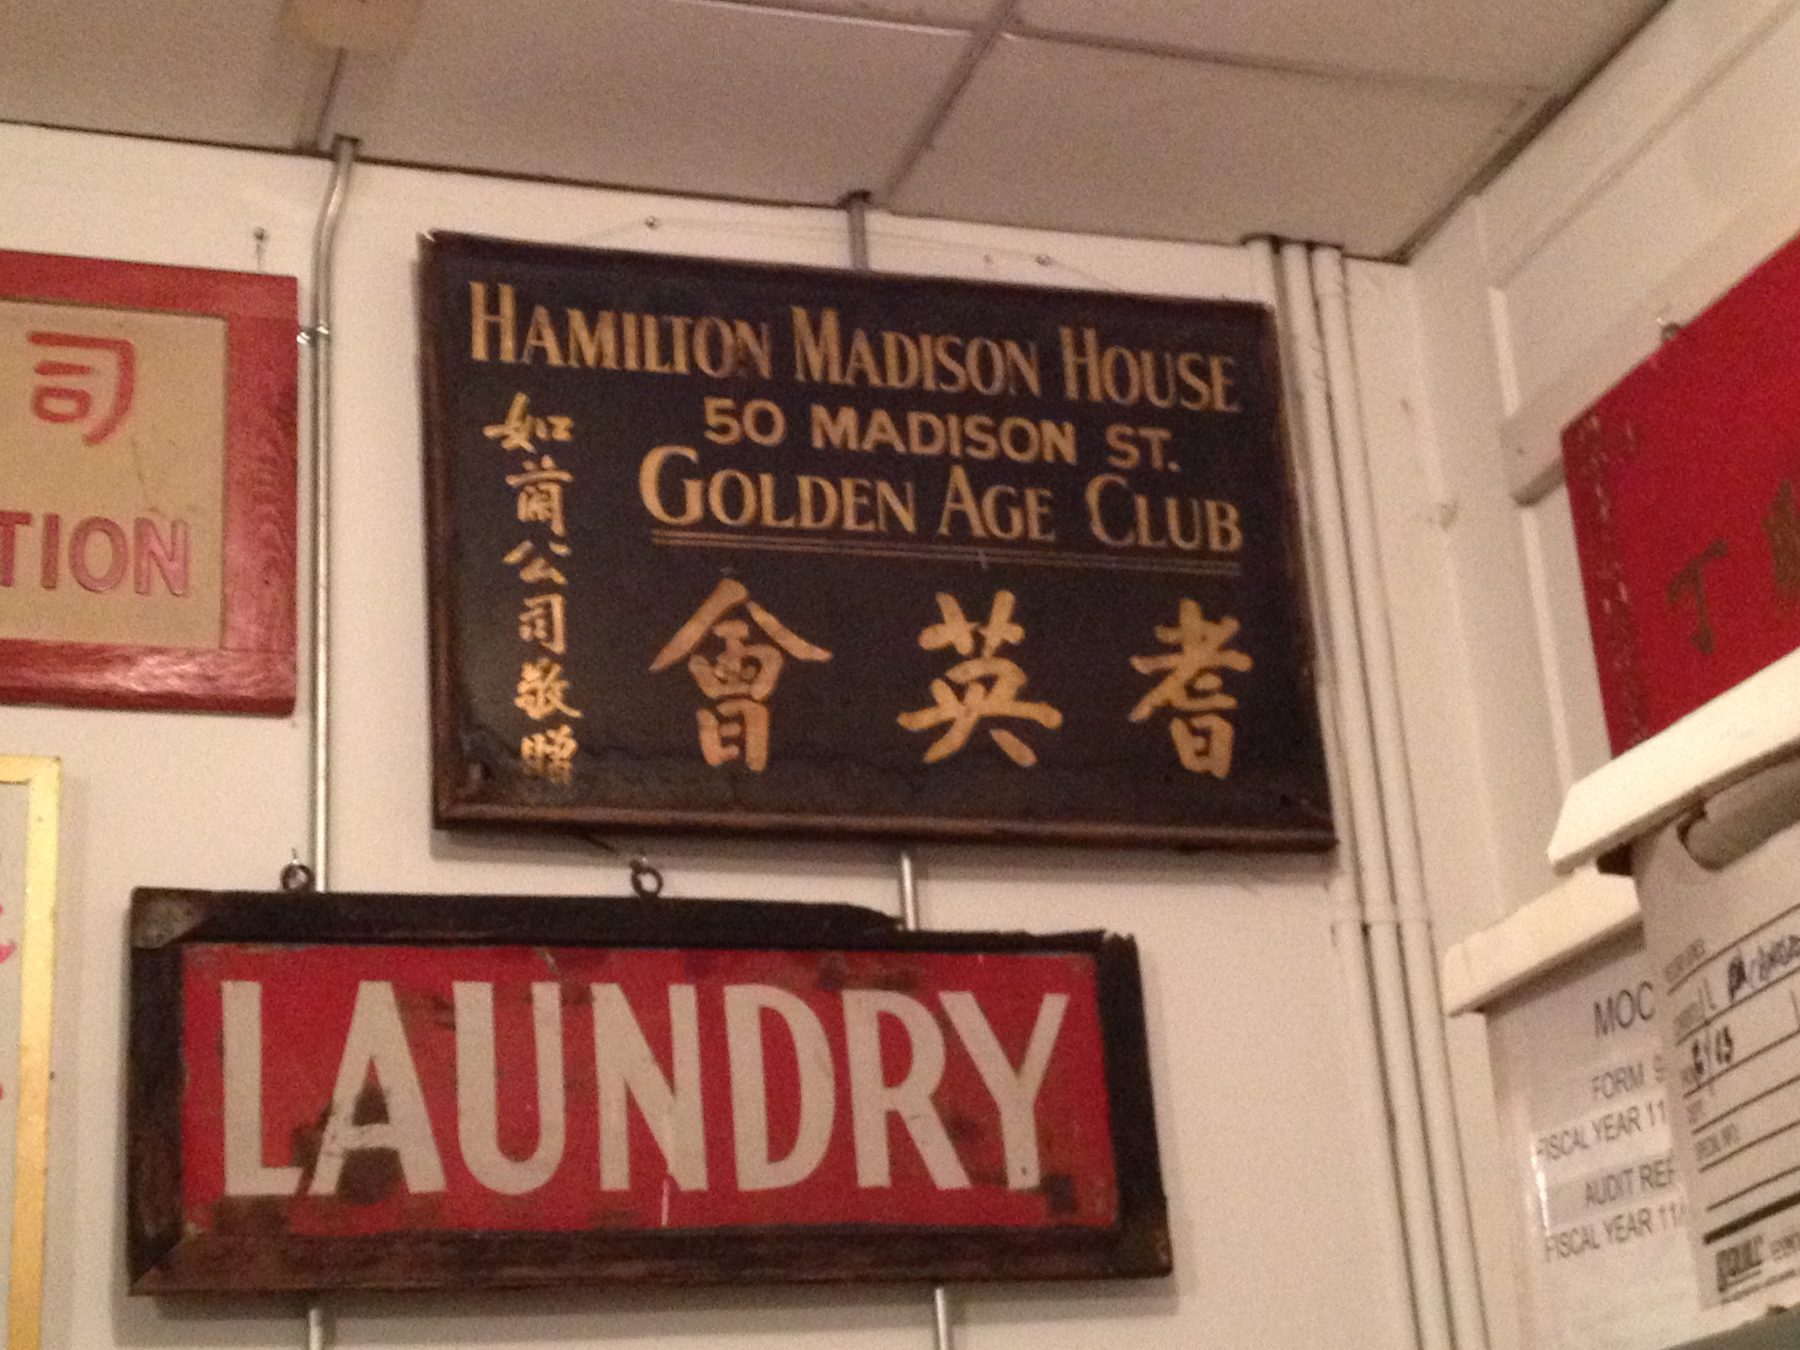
344 1112
1682 481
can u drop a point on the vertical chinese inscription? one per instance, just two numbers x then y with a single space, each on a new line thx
542 693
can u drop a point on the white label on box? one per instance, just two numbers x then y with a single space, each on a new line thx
1725 946
1578 1071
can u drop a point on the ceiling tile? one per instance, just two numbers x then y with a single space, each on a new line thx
195 69
1125 143
1543 44
939 13
675 95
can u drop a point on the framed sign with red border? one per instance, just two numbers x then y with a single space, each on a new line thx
147 495
405 1091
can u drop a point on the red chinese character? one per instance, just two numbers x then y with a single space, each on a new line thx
72 403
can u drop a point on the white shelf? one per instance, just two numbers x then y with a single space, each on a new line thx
1581 913
1745 729
1748 728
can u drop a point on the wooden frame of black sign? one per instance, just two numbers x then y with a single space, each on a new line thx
164 1257
606 736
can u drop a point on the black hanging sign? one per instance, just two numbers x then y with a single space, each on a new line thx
718 545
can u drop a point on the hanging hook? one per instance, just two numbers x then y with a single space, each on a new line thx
646 881
296 877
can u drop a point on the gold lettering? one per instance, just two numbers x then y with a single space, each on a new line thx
818 353
1222 383
818 503
502 321
713 348
1180 511
862 361
1096 488
857 501
1224 533
901 374
835 429
628 330
950 363
653 357
769 516
987 370
1001 511
959 497
1191 370
1152 363
1023 362
679 324
888 500
1019 439
978 430
595 346
1119 389
917 422
881 431
756 343
649 485
1146 536
1124 452
540 335
1080 361
746 490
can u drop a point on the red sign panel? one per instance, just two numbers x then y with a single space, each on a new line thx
1683 483
147 480
630 1103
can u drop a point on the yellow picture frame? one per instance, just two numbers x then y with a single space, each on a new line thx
42 780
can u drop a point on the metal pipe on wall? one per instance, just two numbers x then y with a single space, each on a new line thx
1370 865
343 155
856 208
318 851
941 1331
1398 809
1348 932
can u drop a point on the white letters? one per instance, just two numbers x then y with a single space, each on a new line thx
244 1170
377 1042
1014 1093
477 1084
872 1099
625 1068
378 1102
744 1007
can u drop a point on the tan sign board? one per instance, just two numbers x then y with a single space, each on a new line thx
147 493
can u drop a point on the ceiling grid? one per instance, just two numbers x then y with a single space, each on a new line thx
1354 122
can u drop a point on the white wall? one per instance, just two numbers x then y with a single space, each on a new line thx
1261 1135
1673 174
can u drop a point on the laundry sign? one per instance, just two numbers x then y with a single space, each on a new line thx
384 1092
